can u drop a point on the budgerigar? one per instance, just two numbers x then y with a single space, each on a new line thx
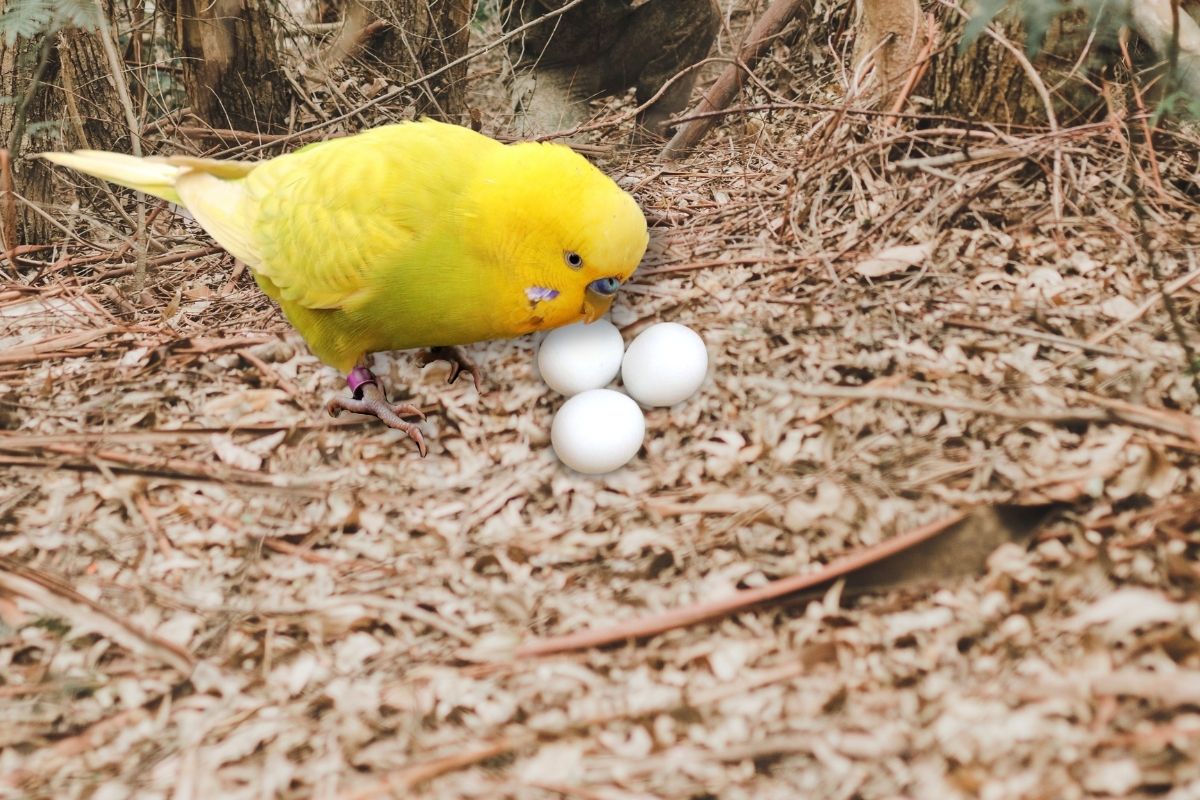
420 234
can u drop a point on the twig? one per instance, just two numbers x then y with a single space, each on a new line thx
1039 86
1042 336
18 130
1147 246
117 71
22 441
72 748
200 345
9 212
395 92
721 94
879 383
1172 422
174 467
1143 116
404 609
59 598
270 374
1146 305
1182 690
48 347
958 404
916 72
621 119
795 666
789 261
1170 31
1157 419
965 154
738 601
142 503
246 136
405 780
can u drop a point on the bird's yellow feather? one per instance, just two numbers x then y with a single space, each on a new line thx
411 235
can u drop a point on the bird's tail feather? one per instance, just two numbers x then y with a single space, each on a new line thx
150 175
209 189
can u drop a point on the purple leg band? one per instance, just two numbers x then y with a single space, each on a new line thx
358 378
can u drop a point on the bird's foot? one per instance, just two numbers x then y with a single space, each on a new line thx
369 399
459 361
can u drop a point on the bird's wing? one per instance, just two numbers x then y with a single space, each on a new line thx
224 209
333 220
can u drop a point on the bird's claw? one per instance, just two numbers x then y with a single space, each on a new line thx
372 402
458 360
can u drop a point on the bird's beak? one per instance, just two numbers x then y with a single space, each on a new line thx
595 309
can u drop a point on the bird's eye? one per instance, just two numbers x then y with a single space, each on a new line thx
573 259
605 286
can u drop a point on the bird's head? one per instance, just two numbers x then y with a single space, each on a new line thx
563 229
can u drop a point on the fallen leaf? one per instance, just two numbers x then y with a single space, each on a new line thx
1126 610
234 454
894 259
265 445
1119 308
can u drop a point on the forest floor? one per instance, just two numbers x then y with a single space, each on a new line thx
210 588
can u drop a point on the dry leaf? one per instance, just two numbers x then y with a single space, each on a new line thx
234 454
894 259
1126 610
1119 308
265 445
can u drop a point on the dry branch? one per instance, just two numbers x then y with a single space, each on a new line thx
722 93
740 600
8 211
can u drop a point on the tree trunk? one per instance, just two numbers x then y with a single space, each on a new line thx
888 44
73 105
410 38
984 81
231 66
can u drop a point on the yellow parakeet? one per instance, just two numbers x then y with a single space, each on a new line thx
420 234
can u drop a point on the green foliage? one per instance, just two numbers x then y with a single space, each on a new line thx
485 12
28 18
985 12
44 128
1179 103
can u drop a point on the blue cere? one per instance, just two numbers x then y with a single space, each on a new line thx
605 286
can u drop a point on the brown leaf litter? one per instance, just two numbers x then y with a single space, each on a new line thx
208 588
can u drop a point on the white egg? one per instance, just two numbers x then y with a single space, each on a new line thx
579 357
664 365
597 431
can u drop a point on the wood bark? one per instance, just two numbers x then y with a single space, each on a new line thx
407 39
887 44
231 64
721 94
73 105
985 81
